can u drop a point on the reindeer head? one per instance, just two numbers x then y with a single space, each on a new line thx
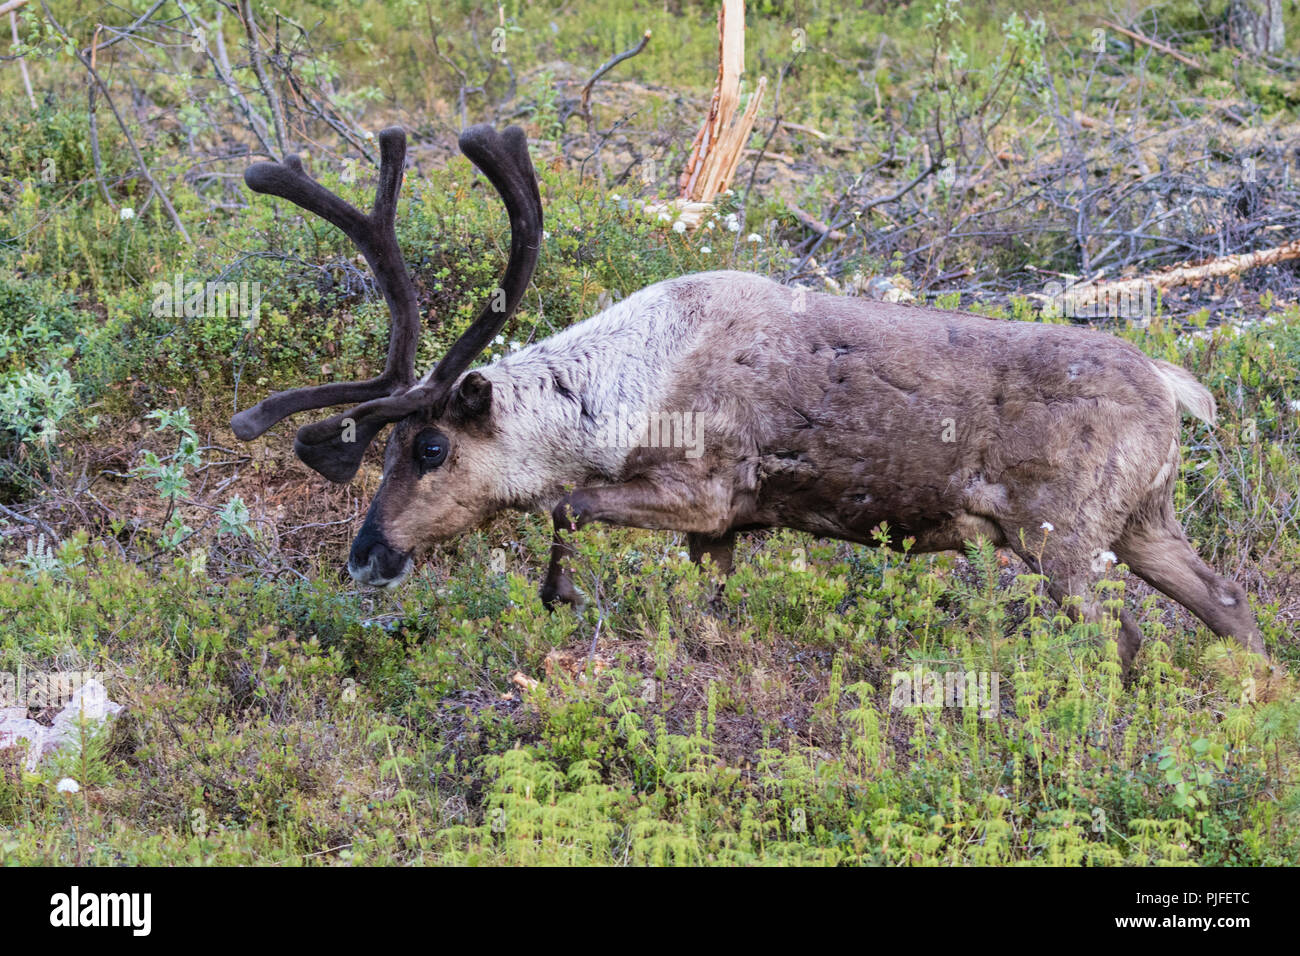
428 492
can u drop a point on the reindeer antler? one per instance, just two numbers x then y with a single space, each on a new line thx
376 237
334 447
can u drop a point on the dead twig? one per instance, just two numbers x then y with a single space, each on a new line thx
11 8
585 102
257 58
609 65
36 523
221 67
762 151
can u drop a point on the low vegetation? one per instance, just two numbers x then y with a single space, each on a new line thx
276 714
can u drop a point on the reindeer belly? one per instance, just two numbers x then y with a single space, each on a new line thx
850 503
845 474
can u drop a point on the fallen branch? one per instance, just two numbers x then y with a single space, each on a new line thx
1155 45
815 224
769 154
1085 295
798 127
36 523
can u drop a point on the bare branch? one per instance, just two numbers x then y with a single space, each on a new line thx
126 132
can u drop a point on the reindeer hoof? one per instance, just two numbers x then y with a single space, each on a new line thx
562 591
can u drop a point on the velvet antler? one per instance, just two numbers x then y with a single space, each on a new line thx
334 447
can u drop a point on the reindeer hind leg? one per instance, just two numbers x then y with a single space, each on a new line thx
1157 551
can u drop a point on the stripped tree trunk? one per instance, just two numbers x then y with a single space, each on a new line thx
721 141
1256 26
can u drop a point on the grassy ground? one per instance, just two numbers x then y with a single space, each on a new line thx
276 714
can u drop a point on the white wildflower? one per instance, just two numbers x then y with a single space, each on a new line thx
126 212
706 249
679 225
1047 526
68 785
753 237
1103 560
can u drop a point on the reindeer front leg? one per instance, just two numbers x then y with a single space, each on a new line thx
558 586
655 504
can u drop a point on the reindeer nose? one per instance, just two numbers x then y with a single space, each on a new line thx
372 561
379 566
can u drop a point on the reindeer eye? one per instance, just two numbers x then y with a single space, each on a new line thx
430 450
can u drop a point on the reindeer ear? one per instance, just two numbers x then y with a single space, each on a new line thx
472 399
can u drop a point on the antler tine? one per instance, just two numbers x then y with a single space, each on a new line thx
504 159
375 236
334 447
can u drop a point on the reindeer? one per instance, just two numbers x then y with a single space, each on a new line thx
820 413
